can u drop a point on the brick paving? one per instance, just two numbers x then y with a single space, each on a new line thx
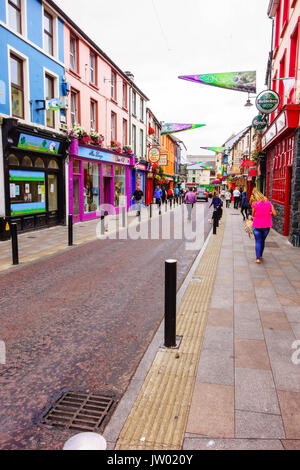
80 319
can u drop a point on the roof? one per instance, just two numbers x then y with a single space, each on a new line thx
230 143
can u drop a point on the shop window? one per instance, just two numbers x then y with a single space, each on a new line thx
17 86
91 187
52 193
39 163
13 160
120 186
27 161
27 192
53 165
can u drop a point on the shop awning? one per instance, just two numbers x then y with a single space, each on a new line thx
286 120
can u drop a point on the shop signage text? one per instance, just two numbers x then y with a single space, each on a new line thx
154 154
93 154
259 123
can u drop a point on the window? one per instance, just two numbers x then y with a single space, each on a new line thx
277 28
124 95
142 142
74 107
134 138
113 126
286 13
93 115
48 33
49 94
53 165
281 85
14 15
73 53
12 160
120 186
27 194
124 132
39 163
142 110
113 85
93 79
134 103
17 86
27 161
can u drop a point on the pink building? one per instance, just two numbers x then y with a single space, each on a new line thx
99 172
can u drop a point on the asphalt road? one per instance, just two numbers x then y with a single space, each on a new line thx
78 321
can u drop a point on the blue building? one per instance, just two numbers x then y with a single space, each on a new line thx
33 98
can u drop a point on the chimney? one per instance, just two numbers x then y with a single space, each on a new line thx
130 76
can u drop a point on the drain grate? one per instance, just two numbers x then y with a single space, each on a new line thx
80 411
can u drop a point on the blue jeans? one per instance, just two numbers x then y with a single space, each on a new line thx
260 237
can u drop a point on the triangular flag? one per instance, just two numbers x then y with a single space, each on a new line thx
171 128
215 149
238 81
289 84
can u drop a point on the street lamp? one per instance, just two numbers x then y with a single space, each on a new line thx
248 102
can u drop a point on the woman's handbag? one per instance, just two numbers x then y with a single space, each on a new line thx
249 227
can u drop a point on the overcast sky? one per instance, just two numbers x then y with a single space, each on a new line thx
158 40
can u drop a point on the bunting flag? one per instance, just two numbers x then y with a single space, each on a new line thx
171 128
288 83
238 81
215 149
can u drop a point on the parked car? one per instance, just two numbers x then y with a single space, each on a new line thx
202 195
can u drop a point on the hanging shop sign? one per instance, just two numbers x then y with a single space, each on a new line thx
267 101
53 105
38 144
259 123
87 152
154 154
163 161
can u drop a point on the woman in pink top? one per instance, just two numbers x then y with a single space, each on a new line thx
262 211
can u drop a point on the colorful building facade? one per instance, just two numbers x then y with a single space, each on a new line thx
281 141
33 134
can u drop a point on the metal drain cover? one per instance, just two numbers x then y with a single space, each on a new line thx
80 411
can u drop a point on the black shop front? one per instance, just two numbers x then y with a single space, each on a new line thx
34 176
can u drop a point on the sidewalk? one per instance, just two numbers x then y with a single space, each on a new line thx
232 383
41 243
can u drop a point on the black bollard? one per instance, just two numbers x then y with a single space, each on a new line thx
166 206
170 302
70 230
170 203
14 243
150 210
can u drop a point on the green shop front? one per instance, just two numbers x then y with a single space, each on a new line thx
34 176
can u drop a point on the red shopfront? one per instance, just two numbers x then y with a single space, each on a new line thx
279 143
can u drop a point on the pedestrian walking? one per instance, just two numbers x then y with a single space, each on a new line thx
236 198
262 212
170 194
158 196
241 196
138 195
190 200
228 197
245 208
217 204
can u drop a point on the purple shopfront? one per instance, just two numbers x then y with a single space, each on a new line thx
98 179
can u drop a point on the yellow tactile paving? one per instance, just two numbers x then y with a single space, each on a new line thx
158 418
